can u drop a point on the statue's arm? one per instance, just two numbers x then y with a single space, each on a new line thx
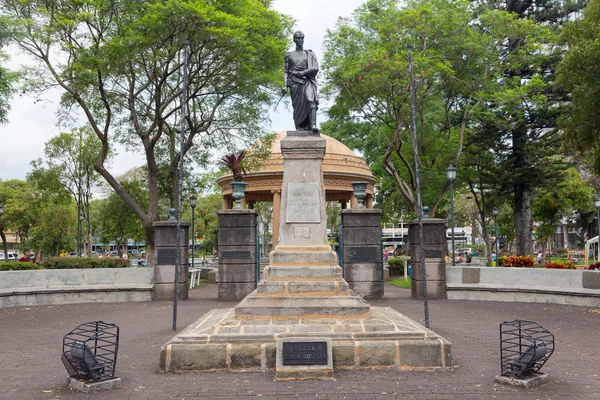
313 65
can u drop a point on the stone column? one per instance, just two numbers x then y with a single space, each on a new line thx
362 251
276 218
353 202
369 201
165 259
434 237
237 254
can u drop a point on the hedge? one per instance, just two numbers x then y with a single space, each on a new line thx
76 263
396 265
18 266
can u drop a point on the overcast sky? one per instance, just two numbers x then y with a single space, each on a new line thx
33 124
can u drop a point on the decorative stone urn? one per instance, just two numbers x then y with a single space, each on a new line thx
238 189
360 192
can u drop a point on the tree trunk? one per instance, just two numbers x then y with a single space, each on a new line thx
523 228
4 244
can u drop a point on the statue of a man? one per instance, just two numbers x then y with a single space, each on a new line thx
301 68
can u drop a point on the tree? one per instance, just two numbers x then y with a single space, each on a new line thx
456 66
524 118
72 156
579 74
121 64
569 197
7 78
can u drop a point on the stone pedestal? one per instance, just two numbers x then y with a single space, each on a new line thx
304 298
165 260
363 266
237 254
303 279
434 236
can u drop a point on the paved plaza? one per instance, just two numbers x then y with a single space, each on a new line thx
31 341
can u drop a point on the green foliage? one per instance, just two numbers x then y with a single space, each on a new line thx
396 265
18 266
120 63
579 73
459 67
76 263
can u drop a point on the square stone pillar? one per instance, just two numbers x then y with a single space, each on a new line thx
237 254
165 259
361 238
434 238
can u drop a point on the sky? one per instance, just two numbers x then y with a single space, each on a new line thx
32 124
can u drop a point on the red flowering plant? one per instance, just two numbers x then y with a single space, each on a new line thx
559 265
518 262
595 266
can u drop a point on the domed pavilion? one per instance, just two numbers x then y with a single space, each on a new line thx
340 167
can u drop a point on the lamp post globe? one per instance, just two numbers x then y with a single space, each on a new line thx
451 176
193 205
597 204
495 212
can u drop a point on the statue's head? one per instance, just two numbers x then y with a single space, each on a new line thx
299 38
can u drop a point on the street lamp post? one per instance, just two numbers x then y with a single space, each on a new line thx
495 211
451 176
597 204
193 205
2 212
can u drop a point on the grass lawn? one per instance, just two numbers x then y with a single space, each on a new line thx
400 282
202 283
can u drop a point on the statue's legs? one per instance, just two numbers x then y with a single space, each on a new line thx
313 117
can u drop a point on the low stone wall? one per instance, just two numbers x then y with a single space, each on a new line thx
529 285
68 286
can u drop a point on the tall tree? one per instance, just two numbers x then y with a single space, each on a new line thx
72 155
579 74
456 68
526 124
121 63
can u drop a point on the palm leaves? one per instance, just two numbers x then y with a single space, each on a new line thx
234 163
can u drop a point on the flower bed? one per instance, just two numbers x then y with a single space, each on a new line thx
594 267
66 263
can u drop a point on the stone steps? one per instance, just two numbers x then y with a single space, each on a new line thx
303 272
303 288
312 306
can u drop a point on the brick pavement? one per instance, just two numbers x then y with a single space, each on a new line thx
31 340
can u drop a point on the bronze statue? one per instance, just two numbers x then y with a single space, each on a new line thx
299 75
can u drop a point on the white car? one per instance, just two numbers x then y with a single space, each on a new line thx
12 256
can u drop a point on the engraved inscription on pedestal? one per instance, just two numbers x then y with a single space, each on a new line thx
301 232
235 254
302 204
433 254
304 353
166 257
362 254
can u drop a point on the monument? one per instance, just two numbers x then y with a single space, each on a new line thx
303 320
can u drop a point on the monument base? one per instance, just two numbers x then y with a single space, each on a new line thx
386 339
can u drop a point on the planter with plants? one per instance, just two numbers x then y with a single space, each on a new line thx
238 188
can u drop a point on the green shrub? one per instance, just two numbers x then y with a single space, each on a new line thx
500 261
18 266
396 265
75 263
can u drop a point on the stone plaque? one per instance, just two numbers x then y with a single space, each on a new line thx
304 353
166 257
303 205
235 254
362 254
301 232
433 254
